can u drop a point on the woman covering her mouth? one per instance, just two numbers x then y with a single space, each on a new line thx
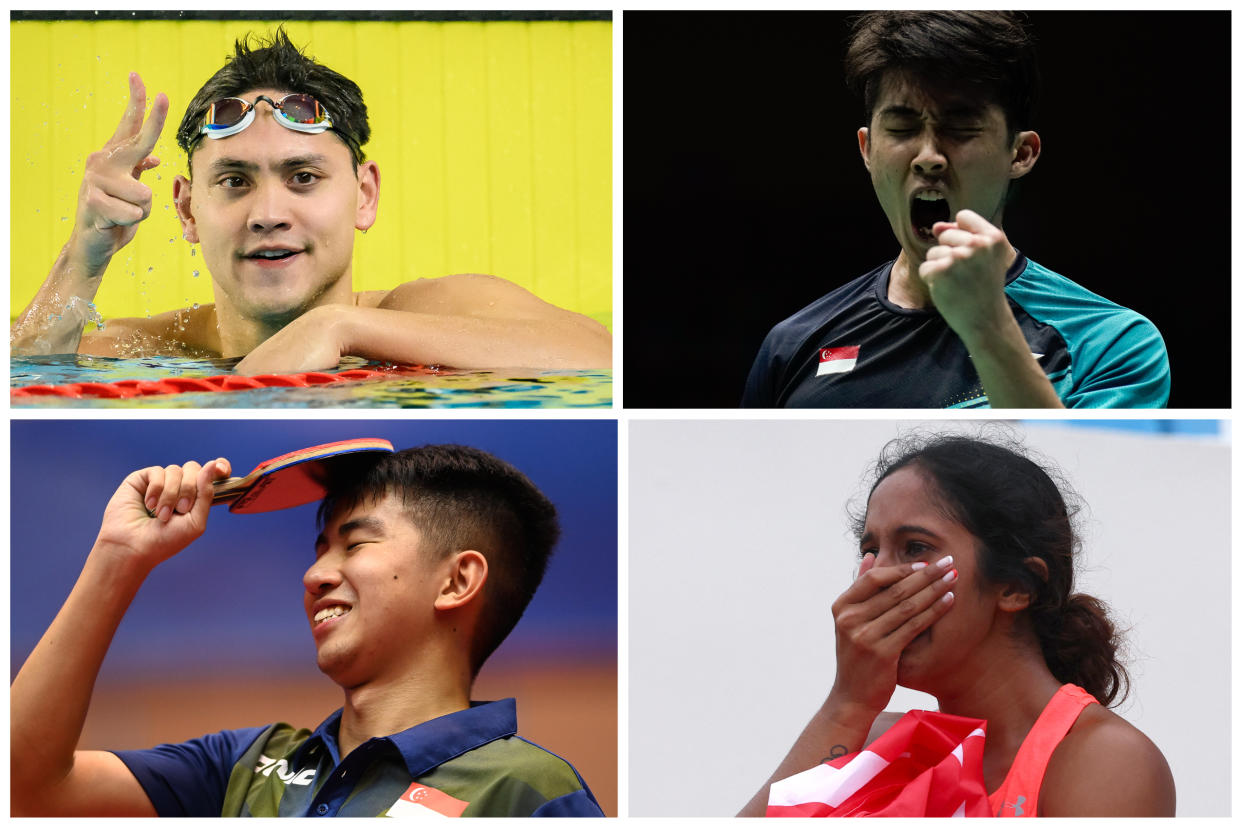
965 591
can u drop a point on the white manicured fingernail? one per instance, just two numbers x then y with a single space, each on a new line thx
945 561
947 598
917 565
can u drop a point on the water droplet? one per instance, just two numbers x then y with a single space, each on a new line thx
195 306
195 274
173 239
64 218
159 177
193 250
149 269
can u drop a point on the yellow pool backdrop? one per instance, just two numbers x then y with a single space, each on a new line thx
493 139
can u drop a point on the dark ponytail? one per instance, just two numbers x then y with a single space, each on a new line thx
1017 511
1080 645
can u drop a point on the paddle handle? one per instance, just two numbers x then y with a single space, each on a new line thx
227 490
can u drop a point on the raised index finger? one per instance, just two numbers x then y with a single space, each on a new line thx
152 128
131 121
133 140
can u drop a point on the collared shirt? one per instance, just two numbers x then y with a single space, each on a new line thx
468 763
855 349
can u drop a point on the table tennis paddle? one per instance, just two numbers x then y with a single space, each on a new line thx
291 479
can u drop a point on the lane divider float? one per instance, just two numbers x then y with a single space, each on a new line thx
123 389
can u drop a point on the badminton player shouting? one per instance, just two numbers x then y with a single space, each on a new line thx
279 185
426 560
960 318
966 592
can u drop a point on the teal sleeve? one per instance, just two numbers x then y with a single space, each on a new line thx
1127 369
1117 357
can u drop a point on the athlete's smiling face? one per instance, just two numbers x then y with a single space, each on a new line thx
275 211
371 592
933 151
906 522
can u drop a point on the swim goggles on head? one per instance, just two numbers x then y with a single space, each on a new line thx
299 112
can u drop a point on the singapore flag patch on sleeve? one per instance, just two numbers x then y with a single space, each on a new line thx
837 360
420 802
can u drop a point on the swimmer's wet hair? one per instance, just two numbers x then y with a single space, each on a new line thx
990 52
462 498
277 64
1018 508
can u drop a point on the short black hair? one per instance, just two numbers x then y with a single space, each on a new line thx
276 63
462 498
990 52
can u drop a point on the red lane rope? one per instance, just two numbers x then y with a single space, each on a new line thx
122 389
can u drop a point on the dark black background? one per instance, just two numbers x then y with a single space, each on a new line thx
746 199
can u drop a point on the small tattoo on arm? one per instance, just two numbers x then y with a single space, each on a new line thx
835 752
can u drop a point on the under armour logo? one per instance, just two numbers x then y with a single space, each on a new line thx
1017 809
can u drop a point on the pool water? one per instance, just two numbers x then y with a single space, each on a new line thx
440 388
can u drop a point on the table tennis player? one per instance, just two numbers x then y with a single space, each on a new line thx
961 318
425 561
279 184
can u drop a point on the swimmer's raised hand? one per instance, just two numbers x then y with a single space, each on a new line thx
157 512
112 200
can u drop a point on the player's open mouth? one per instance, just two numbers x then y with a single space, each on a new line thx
926 208
334 611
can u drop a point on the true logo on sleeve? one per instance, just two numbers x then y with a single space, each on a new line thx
839 360
420 801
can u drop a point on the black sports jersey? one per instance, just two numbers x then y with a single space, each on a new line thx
855 349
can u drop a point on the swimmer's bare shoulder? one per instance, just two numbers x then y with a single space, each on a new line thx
185 332
477 295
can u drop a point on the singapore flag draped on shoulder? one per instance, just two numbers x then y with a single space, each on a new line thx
926 765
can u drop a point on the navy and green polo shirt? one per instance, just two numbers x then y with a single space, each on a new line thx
855 349
468 763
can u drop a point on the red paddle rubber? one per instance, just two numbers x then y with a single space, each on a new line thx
122 389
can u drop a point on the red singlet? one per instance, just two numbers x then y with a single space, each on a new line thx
1018 795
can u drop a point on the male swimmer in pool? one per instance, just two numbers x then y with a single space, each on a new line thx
278 185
